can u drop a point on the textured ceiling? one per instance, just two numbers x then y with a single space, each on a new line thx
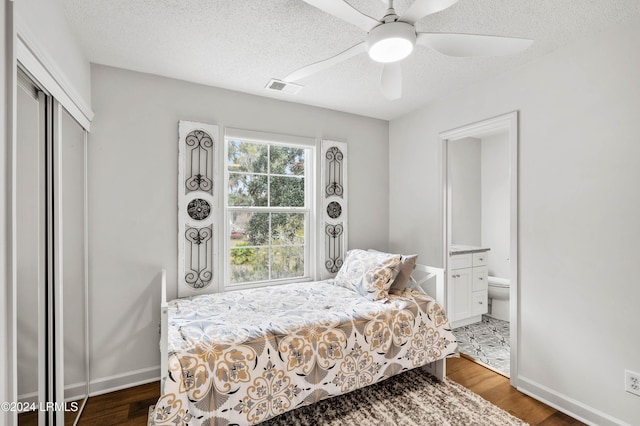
241 44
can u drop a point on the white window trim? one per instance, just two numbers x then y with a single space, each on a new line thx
265 137
311 176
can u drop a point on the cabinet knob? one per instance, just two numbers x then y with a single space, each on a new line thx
481 302
481 278
481 259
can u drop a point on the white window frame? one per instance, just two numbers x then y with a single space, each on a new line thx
310 176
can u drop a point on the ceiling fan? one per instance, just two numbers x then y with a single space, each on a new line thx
394 37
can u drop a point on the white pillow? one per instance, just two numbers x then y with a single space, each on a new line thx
407 265
368 273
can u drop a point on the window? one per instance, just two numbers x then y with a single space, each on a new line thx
268 210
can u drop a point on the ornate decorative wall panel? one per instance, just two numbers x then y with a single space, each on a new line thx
334 206
197 208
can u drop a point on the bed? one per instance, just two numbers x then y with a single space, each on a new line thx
242 357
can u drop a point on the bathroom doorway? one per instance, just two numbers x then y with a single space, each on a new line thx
480 239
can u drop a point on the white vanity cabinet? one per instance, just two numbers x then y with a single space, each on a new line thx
467 285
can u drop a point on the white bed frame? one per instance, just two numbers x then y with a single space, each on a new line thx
426 273
164 332
421 275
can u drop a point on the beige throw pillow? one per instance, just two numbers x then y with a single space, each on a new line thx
407 265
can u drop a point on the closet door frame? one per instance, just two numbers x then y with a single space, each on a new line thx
50 338
50 238
57 289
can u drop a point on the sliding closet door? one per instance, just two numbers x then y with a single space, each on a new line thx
52 343
30 242
71 289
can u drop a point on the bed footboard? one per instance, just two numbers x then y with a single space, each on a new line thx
436 369
164 330
421 277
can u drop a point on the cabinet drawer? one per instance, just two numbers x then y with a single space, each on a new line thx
480 278
479 302
480 259
459 261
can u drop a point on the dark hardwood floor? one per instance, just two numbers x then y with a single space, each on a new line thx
496 388
130 407
31 418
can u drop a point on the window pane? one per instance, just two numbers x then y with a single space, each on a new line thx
247 190
264 244
248 264
287 262
287 161
287 228
287 191
247 157
239 222
249 228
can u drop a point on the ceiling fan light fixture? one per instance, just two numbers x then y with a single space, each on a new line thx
391 42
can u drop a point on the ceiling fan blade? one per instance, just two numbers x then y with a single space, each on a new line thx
391 81
322 65
346 12
421 8
462 45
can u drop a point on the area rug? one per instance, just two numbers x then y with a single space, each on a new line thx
413 398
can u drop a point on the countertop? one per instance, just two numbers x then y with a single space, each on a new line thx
463 249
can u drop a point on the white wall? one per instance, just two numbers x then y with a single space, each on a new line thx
466 201
133 168
579 207
44 24
495 187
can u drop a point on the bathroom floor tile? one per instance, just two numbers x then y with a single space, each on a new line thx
487 341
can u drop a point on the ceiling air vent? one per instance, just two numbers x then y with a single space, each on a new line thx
283 86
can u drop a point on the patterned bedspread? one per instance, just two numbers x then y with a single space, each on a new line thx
243 357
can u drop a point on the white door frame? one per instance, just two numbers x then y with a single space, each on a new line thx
508 122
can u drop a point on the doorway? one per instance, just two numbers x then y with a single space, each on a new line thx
480 239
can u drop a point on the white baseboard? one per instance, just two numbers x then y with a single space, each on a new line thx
567 405
31 397
73 392
124 380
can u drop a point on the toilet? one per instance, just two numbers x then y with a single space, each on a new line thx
499 298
